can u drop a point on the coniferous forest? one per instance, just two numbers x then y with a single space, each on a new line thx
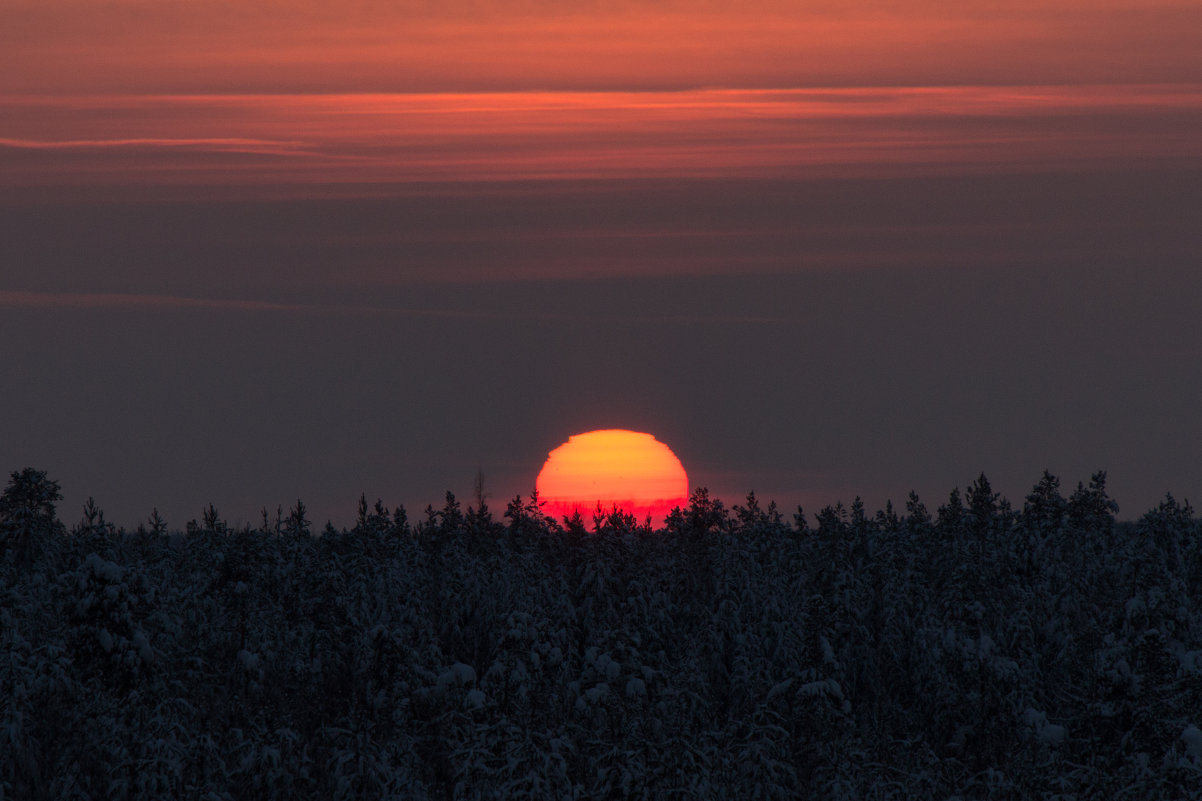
974 649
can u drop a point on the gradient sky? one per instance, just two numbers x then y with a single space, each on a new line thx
251 252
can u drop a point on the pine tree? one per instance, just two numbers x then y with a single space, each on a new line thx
918 519
213 524
1044 508
1090 508
158 526
298 524
27 514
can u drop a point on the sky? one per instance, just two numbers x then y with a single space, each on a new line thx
255 252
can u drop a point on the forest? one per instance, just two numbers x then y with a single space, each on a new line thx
977 650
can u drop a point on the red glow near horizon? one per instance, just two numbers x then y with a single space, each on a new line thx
629 470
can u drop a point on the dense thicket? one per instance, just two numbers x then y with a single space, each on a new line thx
981 652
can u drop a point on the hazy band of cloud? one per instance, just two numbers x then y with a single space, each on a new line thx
208 46
280 140
33 144
16 299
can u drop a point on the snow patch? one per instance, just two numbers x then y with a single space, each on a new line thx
457 675
1193 740
1046 733
145 652
103 569
821 689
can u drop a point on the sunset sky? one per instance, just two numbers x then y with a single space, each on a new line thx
251 252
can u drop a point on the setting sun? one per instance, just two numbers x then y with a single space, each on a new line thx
627 469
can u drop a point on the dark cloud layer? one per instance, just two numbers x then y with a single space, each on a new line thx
809 340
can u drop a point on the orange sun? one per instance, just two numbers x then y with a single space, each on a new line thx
633 471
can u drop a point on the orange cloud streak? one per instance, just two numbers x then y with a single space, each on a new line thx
285 92
256 140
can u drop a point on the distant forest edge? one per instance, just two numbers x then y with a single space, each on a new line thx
983 651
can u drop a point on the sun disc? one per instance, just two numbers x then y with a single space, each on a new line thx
613 467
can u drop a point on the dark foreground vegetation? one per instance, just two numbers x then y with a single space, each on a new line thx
982 651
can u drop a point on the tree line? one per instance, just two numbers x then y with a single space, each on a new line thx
982 650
